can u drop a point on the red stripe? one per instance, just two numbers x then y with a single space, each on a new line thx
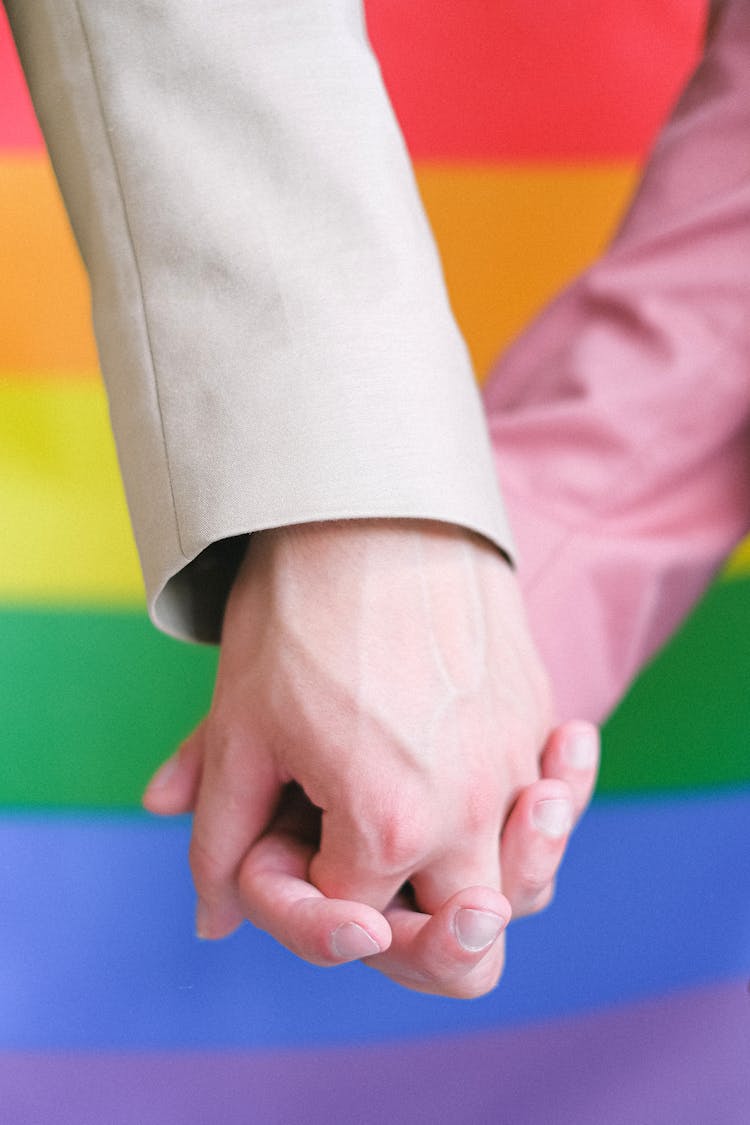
533 79
500 79
18 127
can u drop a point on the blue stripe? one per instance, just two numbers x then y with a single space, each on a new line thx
681 1058
96 947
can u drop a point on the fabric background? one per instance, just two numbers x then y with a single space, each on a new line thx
626 1001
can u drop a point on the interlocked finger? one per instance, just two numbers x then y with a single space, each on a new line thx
533 844
458 951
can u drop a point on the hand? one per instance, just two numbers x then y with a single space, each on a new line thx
384 669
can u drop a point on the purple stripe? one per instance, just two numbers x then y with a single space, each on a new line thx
681 1058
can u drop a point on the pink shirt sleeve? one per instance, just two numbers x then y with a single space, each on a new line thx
620 420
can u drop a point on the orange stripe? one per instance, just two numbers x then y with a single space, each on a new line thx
509 238
44 301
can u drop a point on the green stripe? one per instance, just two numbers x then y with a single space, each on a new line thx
686 722
93 702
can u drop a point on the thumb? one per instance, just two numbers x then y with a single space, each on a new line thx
174 787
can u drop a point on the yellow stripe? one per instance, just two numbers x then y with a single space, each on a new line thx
44 300
65 531
738 564
511 237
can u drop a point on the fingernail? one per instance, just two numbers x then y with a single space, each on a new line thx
164 774
553 817
477 929
202 920
350 942
581 748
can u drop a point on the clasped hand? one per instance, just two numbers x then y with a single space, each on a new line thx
380 721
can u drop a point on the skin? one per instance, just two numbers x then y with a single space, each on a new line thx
350 786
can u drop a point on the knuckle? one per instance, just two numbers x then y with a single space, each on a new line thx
481 811
524 762
534 903
543 899
402 840
482 980
221 739
208 870
534 883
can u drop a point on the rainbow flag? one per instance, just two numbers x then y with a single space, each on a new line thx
626 1002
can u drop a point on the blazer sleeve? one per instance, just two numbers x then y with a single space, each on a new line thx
621 418
268 303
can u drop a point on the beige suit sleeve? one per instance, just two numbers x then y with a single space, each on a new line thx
268 303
